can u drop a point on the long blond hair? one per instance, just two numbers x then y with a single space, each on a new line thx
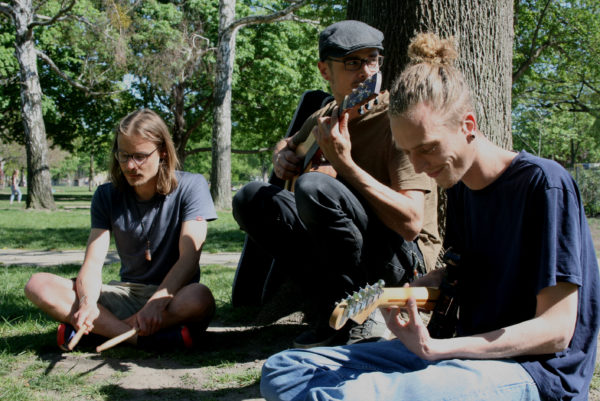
147 124
431 78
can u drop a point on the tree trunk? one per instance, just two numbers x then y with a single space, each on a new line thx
484 33
39 189
178 110
220 177
91 173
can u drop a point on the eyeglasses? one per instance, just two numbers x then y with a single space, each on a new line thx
355 64
138 158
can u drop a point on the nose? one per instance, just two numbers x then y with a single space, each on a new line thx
130 163
418 162
366 71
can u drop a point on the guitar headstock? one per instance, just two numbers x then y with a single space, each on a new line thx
363 94
357 306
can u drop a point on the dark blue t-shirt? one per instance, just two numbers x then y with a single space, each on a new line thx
162 217
524 232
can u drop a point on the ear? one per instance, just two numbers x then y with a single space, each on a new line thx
469 125
323 67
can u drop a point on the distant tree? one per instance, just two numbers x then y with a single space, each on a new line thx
27 19
556 79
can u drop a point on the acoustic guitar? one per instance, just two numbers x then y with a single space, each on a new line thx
358 102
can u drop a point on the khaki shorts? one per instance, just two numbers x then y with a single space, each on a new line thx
124 299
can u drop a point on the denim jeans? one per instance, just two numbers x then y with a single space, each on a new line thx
15 192
388 371
326 233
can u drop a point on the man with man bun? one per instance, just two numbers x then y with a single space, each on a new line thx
527 280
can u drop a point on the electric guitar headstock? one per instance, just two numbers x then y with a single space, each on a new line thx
360 304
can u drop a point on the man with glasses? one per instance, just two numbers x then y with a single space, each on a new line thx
158 218
376 219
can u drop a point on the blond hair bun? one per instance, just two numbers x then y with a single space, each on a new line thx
429 48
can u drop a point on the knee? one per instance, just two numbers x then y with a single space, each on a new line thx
244 202
271 376
198 303
317 194
34 289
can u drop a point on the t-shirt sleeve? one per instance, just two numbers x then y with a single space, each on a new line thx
100 209
561 236
197 200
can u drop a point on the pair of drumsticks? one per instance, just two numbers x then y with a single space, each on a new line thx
104 346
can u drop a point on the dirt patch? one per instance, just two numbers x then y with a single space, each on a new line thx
226 366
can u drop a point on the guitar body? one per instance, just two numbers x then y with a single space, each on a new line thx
255 264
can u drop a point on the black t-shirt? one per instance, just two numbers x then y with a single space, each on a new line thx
524 232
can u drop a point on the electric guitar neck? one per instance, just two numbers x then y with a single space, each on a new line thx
358 306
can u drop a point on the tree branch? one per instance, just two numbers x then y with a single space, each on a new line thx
287 14
71 81
6 9
58 17
237 151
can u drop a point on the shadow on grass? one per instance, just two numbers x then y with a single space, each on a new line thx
115 392
44 238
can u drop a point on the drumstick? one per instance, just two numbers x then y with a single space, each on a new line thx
77 337
116 340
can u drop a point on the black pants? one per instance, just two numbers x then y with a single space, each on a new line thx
325 235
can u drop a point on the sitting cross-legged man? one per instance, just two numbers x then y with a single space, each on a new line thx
158 217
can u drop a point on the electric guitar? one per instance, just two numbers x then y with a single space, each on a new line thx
359 305
356 103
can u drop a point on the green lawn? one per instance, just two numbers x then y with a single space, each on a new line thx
68 226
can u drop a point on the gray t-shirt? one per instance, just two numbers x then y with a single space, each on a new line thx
162 217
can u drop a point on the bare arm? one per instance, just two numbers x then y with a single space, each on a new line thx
549 331
89 279
401 210
191 239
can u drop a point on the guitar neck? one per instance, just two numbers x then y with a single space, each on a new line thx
359 309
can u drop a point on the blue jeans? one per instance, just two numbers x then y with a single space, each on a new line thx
388 371
15 191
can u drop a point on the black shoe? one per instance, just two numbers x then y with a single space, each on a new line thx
371 330
321 336
169 339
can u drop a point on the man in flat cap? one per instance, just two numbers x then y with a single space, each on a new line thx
369 217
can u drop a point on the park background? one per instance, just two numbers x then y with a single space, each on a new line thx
227 76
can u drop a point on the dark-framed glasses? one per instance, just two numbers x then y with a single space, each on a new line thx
355 64
138 158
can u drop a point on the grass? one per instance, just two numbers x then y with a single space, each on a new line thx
28 352
27 336
68 227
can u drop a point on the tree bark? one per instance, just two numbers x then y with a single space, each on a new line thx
179 126
39 189
220 175
484 33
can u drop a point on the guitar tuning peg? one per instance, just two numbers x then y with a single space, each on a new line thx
368 106
376 101
361 111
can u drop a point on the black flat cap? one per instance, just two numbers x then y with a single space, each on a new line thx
345 37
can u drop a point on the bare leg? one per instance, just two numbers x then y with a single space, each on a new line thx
57 297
